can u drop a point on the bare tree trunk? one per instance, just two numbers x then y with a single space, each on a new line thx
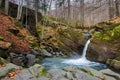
36 11
68 9
117 7
19 13
82 12
1 3
110 9
6 6
50 7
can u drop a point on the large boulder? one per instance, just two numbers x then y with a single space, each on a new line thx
105 42
111 73
115 63
101 51
7 69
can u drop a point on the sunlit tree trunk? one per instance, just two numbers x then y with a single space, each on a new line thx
19 13
36 11
6 6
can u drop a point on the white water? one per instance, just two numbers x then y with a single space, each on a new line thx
82 60
85 49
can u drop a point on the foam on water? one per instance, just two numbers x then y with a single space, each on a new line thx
82 60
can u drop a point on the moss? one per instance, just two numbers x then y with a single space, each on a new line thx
35 44
43 72
118 58
1 38
19 24
62 48
2 61
108 35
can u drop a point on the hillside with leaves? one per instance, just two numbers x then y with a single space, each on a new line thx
11 31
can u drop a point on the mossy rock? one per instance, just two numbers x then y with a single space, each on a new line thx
118 58
3 61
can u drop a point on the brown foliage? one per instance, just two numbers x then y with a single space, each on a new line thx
19 45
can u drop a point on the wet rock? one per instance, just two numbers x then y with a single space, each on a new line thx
45 53
111 73
31 59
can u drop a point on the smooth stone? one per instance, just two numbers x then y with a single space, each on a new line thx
70 68
46 53
8 67
111 73
24 75
116 64
82 76
93 72
56 73
36 70
31 59
110 78
69 75
34 52
41 78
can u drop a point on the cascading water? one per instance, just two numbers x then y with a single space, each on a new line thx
82 60
85 49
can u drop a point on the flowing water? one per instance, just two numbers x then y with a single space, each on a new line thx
78 62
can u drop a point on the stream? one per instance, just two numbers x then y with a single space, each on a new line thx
80 62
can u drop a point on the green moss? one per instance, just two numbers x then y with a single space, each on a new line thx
109 34
19 24
43 72
2 61
118 58
35 44
1 38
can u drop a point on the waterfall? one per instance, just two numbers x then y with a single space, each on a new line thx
85 49
82 60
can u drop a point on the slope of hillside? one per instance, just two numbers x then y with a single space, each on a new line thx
11 32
